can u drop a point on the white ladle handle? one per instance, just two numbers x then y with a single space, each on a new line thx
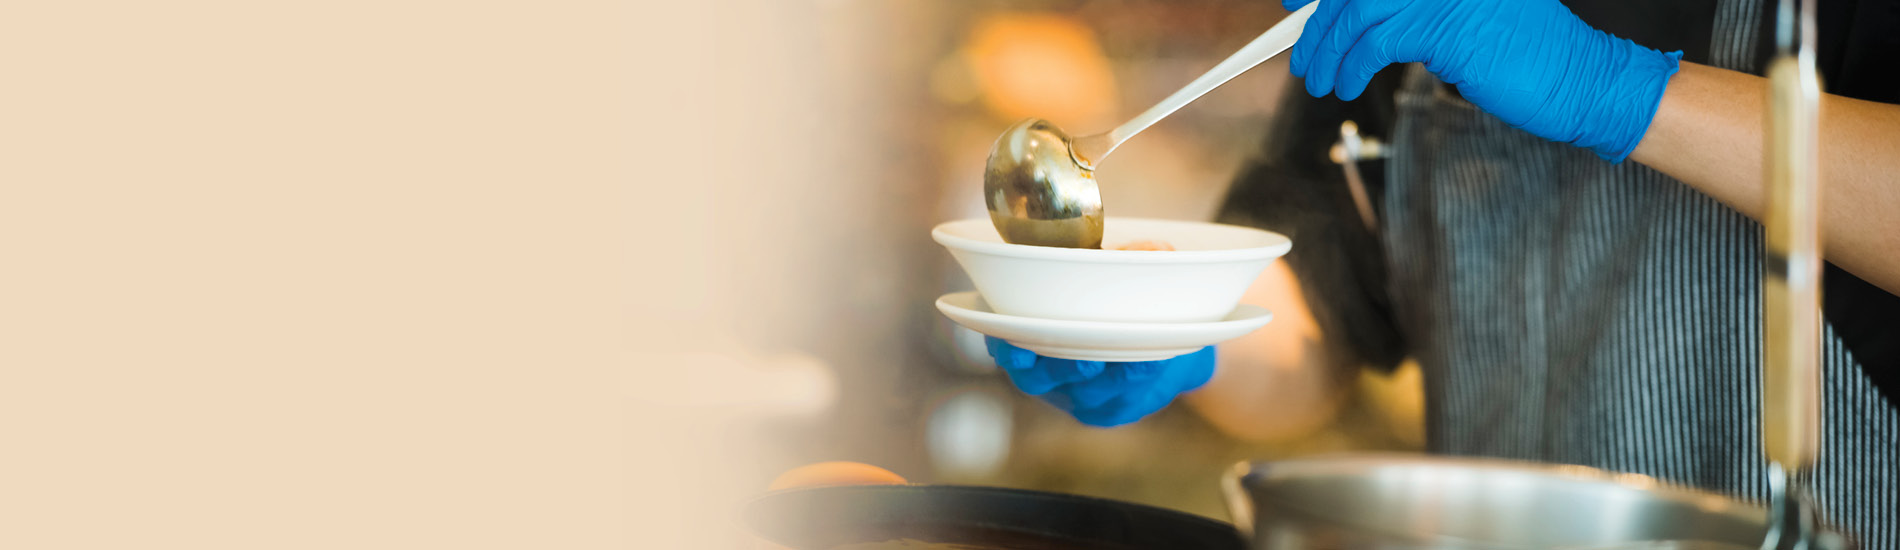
1269 44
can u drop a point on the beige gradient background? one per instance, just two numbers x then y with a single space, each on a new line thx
340 274
486 274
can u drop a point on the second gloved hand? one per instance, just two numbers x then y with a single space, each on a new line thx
1098 393
1532 63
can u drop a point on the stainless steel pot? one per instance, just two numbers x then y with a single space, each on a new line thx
1383 502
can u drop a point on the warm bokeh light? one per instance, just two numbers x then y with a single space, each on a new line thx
1041 65
834 473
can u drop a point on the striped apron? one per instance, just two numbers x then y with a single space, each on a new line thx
1567 310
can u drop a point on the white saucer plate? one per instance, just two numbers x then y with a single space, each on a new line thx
1097 340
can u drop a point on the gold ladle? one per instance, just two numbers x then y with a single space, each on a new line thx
1039 183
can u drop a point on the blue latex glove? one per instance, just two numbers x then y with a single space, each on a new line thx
1103 394
1531 63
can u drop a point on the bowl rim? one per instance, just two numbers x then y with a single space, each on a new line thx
1277 246
972 304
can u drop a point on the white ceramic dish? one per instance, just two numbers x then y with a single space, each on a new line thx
1200 281
1099 341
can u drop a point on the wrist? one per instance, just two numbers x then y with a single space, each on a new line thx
1604 96
1635 80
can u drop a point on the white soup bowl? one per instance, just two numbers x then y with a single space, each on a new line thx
1202 280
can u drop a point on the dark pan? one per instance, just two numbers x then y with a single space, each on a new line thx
980 517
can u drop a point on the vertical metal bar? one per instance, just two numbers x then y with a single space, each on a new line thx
1791 314
1791 282
1354 150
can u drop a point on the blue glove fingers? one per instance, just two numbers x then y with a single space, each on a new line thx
1069 370
1032 381
1322 72
1103 394
1372 54
1147 388
1050 373
1042 370
1292 5
1115 380
1316 27
1007 356
1125 409
1144 371
1093 393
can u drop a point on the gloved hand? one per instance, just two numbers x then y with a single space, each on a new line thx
1532 63
1103 394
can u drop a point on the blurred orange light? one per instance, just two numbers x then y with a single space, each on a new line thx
824 474
1046 66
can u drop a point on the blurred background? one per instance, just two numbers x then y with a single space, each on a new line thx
432 273
844 130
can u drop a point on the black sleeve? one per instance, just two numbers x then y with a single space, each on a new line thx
1292 187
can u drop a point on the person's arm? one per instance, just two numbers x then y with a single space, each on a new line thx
1708 132
1279 381
1572 83
1330 312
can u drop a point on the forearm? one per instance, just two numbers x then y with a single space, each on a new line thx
1276 382
1709 133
